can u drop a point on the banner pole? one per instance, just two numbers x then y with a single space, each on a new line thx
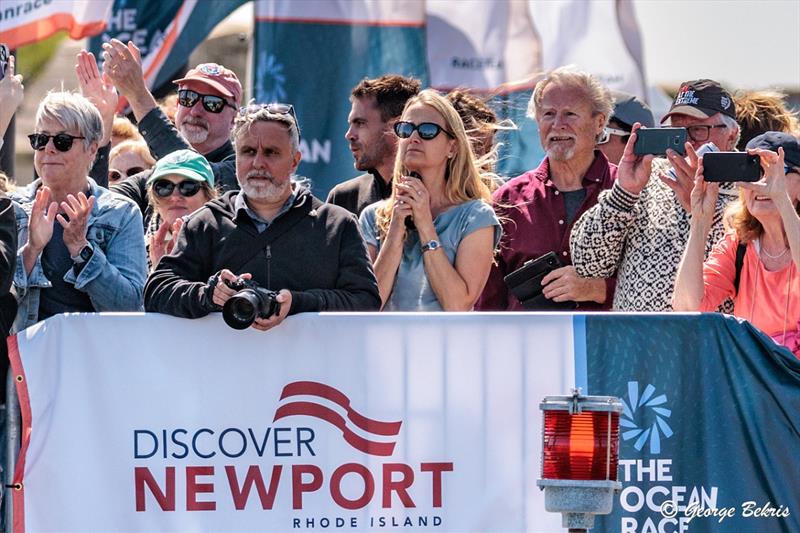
12 445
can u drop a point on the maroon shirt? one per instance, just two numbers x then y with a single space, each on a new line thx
534 219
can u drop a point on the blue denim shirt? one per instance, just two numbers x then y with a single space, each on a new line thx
113 277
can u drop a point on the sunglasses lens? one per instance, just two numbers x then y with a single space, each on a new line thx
403 129
213 104
428 130
38 140
114 175
189 188
187 98
133 170
63 142
163 188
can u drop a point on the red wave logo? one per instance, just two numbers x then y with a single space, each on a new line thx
311 388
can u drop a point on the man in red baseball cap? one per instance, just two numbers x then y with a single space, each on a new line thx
208 100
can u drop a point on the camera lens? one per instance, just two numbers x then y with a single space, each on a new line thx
240 310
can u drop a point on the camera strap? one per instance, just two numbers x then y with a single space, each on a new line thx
254 245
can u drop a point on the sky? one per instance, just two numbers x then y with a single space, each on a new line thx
744 44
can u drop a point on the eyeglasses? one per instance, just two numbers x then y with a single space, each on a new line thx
277 108
187 188
701 133
62 141
116 175
211 102
426 130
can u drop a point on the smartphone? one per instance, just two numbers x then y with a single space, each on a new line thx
656 141
4 55
526 281
409 221
731 166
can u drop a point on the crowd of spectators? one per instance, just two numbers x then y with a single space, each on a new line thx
177 208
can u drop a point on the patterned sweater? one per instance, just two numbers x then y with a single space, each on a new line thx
641 238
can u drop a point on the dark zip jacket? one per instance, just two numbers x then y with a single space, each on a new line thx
316 252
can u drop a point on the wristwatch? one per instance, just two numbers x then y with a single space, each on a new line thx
431 245
84 255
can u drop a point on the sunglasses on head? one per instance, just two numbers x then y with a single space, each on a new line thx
62 141
211 103
116 175
426 130
163 188
277 108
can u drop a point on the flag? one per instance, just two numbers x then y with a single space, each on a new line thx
166 32
24 21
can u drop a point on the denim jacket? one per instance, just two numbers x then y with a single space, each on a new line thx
113 277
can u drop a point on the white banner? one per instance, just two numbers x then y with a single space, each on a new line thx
28 21
351 421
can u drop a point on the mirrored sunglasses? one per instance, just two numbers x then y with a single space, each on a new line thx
211 102
62 141
164 188
426 130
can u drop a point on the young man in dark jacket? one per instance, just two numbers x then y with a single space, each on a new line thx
273 231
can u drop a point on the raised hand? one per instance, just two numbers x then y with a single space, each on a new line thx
773 183
159 244
11 94
634 170
77 210
685 170
413 193
98 89
123 66
703 199
40 226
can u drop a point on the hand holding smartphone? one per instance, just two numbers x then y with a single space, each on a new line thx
657 141
731 166
4 55
409 221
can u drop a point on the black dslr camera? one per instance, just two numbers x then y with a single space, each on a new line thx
249 302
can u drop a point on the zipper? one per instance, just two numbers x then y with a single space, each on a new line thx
269 267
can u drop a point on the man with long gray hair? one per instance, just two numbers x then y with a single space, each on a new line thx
81 247
272 232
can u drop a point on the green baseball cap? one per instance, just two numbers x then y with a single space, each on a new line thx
186 163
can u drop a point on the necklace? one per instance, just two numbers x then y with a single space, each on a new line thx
764 251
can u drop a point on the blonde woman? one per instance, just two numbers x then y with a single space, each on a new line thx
432 240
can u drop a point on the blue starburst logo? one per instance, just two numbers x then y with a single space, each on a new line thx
272 83
651 415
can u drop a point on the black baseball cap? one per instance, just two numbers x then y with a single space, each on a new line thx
702 99
629 109
772 140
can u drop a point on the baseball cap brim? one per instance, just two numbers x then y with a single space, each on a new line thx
692 111
185 172
210 83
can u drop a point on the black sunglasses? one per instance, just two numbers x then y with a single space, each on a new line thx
115 175
187 188
211 103
274 107
426 130
62 141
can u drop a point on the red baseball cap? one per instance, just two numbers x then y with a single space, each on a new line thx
217 77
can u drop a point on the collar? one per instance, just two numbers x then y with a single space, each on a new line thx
595 174
241 208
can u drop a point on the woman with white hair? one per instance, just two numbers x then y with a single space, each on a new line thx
433 239
81 247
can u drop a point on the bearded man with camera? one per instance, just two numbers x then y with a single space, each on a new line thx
272 245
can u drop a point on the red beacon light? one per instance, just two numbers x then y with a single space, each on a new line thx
580 455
